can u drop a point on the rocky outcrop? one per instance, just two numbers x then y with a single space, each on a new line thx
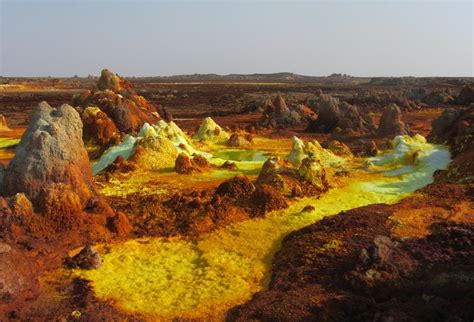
51 162
279 115
115 97
391 122
466 96
87 258
336 115
456 128
98 127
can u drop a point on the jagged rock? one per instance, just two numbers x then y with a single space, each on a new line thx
87 258
98 127
51 152
391 122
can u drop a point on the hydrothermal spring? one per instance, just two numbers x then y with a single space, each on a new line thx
204 277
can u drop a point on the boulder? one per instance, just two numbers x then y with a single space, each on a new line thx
51 152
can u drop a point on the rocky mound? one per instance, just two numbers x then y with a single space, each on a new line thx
51 165
121 106
334 114
210 131
391 123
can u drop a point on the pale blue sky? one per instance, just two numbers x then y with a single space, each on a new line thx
145 38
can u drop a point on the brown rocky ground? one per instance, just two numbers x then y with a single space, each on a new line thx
407 261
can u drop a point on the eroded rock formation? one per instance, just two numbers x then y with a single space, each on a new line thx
334 114
51 162
391 122
115 97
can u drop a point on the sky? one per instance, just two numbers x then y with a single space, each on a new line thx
153 38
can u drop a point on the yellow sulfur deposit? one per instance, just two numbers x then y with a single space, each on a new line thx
202 278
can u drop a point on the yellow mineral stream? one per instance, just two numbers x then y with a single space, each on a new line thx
164 279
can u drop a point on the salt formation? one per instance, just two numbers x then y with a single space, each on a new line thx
155 147
391 122
51 165
3 123
407 150
301 151
209 131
